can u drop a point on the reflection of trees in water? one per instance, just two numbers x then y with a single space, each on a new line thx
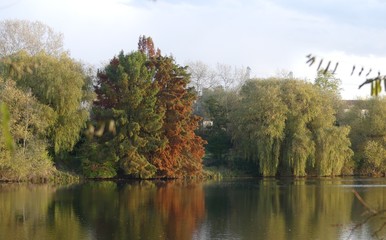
101 210
268 209
181 207
24 214
142 210
287 209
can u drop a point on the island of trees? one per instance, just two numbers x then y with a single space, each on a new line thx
145 116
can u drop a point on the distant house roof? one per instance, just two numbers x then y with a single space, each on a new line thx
351 103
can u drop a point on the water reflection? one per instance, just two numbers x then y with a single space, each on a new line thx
143 210
293 209
24 211
257 209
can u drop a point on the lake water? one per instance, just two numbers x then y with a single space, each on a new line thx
275 209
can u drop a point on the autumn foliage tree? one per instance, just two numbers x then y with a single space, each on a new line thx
44 100
126 95
145 96
61 84
182 155
28 159
183 152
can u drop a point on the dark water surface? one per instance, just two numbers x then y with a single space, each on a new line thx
340 208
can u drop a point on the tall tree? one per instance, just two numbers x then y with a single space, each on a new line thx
368 134
328 82
146 97
287 128
32 37
258 124
28 122
232 78
126 94
330 86
183 153
202 76
59 83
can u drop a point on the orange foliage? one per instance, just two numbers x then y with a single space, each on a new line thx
183 153
146 46
182 208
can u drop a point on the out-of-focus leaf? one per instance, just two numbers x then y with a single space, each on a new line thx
5 119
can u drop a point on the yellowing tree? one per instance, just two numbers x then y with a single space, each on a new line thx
59 83
286 127
28 122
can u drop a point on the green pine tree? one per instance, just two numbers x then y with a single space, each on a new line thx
126 96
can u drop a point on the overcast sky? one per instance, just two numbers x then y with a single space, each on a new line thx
267 35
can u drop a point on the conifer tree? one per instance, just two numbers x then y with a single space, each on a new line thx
126 94
182 155
146 98
182 150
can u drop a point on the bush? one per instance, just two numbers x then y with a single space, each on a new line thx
98 170
374 158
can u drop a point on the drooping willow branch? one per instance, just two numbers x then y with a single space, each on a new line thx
375 84
376 87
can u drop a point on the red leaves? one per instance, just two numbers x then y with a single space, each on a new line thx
183 154
146 46
150 90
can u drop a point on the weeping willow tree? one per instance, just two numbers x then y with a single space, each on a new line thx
368 135
23 149
332 142
298 147
333 153
287 127
258 124
59 83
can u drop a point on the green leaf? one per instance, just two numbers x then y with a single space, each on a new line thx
5 126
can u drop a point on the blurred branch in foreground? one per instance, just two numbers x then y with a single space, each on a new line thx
373 214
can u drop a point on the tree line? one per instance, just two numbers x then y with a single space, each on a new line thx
133 118
282 126
142 115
